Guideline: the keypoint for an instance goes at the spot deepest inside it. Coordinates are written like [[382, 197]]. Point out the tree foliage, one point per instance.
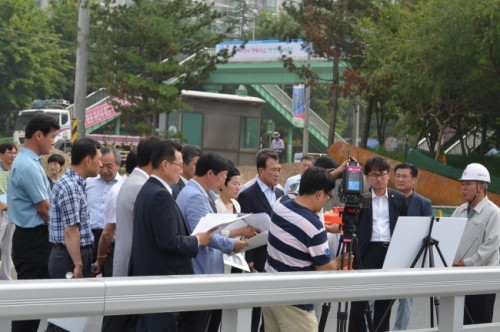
[[149, 51], [327, 28], [32, 58], [436, 63]]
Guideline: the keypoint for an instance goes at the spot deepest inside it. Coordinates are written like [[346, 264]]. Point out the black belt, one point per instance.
[[63, 246], [380, 244]]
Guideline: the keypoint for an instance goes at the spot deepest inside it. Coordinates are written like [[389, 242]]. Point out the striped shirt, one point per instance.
[[68, 207], [297, 240]]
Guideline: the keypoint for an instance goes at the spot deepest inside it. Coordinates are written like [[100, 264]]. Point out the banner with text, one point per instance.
[[264, 50]]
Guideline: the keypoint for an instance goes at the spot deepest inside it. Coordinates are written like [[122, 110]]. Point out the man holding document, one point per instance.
[[194, 203], [298, 242]]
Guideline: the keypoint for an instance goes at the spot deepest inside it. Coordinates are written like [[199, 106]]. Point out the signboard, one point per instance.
[[264, 50], [99, 114]]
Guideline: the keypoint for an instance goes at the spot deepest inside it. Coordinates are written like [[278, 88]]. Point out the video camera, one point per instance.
[[353, 193]]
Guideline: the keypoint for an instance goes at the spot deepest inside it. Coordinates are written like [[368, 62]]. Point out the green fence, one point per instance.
[[421, 160]]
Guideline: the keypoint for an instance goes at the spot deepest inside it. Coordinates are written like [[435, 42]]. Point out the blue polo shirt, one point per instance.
[[28, 186]]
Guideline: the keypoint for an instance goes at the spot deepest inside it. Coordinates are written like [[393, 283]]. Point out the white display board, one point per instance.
[[408, 237]]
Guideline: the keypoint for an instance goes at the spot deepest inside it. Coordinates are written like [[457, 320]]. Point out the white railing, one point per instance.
[[236, 294]]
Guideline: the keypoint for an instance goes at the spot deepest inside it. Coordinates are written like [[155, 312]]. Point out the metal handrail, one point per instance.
[[237, 293], [314, 119]]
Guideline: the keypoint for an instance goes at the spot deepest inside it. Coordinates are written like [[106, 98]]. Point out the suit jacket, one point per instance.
[[124, 221], [364, 227], [161, 244], [193, 204], [418, 205], [253, 200], [176, 188]]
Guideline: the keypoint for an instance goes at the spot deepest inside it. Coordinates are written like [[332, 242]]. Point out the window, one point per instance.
[[249, 133]]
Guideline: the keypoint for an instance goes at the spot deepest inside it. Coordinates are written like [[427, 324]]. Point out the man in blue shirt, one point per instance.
[[28, 200], [195, 203], [69, 225]]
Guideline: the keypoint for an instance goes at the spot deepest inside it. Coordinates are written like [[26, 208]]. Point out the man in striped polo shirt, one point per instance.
[[298, 242]]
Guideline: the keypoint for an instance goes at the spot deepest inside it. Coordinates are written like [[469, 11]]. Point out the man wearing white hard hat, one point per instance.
[[481, 239], [277, 144]]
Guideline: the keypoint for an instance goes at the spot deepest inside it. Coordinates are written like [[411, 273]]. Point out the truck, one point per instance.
[[57, 108], [96, 115]]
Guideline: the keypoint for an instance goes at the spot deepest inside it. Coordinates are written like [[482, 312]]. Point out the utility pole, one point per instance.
[[307, 105], [355, 124], [81, 66]]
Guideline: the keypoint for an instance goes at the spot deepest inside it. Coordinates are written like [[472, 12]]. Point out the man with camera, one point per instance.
[[295, 233], [374, 229]]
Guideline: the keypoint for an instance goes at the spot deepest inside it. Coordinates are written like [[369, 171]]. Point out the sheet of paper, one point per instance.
[[236, 260], [258, 220], [235, 225], [73, 324], [257, 241], [212, 220]]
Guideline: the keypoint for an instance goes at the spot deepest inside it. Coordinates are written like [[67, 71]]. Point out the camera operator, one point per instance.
[[374, 230], [295, 233]]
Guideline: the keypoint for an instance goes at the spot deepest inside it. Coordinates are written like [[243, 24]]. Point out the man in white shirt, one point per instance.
[[277, 144], [374, 231], [293, 182], [97, 189]]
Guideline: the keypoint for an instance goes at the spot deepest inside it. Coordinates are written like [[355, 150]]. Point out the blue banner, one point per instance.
[[298, 103]]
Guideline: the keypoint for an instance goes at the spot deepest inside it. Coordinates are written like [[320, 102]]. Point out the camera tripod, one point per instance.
[[348, 245]]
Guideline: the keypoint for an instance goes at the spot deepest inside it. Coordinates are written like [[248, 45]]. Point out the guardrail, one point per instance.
[[236, 294]]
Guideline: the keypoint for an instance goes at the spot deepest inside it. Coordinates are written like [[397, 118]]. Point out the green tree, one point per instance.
[[327, 28], [32, 59], [63, 17], [435, 61], [149, 51]]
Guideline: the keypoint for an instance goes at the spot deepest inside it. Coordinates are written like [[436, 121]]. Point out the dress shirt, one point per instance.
[[381, 231], [268, 192], [163, 183], [27, 186], [97, 190], [292, 184], [69, 207]]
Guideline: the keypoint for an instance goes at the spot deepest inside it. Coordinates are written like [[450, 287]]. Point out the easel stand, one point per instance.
[[428, 243], [348, 245]]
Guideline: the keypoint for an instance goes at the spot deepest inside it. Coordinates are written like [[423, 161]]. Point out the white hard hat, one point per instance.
[[476, 172]]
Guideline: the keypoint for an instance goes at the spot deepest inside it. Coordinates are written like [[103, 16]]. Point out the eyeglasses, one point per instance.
[[377, 175], [180, 165]]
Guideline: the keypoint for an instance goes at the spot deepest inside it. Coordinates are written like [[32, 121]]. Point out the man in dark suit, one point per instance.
[[406, 181], [374, 230], [161, 244], [260, 197]]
